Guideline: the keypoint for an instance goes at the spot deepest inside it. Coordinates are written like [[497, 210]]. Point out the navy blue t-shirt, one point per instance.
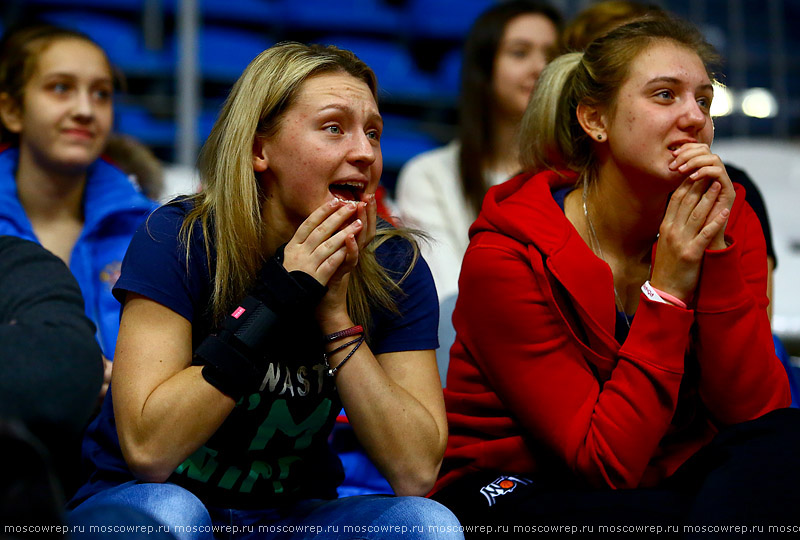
[[273, 446]]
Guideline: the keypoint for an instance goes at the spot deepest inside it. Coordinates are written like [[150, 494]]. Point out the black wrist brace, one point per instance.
[[233, 358]]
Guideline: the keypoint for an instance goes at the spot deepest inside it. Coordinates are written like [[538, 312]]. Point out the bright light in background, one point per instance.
[[759, 103], [723, 101]]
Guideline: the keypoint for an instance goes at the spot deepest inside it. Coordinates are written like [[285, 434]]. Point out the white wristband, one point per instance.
[[650, 293]]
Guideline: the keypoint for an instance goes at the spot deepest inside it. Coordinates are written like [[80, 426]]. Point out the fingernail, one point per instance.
[[333, 203], [358, 222], [672, 165]]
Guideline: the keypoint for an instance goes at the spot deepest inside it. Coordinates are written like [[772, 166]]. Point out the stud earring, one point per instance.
[[599, 136]]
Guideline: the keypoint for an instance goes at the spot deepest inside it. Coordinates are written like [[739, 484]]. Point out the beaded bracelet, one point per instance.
[[327, 355], [352, 331], [332, 371]]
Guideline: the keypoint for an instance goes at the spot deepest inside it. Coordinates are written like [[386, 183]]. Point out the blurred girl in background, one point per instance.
[[56, 107], [440, 192]]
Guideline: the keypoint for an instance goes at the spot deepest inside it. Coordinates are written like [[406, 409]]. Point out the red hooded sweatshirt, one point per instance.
[[536, 372]]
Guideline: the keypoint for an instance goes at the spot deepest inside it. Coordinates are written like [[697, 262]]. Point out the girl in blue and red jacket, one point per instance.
[[56, 90]]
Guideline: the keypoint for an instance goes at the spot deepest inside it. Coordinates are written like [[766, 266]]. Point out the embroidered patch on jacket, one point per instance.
[[502, 486], [110, 274]]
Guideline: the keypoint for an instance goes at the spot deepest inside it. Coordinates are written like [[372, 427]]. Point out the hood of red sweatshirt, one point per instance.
[[523, 209]]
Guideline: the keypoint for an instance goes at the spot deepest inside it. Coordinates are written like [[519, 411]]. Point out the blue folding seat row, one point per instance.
[[122, 41], [403, 139], [138, 122], [224, 51], [447, 19]]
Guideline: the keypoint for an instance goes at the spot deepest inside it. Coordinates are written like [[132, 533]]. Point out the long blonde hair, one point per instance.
[[229, 207]]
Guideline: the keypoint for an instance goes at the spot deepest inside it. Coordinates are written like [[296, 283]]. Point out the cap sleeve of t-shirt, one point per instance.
[[156, 267], [416, 326]]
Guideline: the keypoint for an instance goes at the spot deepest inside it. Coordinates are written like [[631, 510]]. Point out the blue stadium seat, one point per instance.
[[791, 371], [446, 19], [361, 477], [397, 73], [138, 122], [401, 140], [448, 80], [131, 5], [251, 11], [226, 51], [122, 40], [205, 123], [377, 16]]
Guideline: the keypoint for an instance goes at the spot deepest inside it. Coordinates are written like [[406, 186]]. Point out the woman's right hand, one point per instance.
[[319, 246], [687, 230]]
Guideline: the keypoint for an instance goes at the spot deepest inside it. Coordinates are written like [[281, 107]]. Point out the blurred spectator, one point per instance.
[[601, 17], [440, 191], [31, 500], [50, 373]]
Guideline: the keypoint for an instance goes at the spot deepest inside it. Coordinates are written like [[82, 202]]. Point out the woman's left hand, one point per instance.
[[334, 303], [698, 162]]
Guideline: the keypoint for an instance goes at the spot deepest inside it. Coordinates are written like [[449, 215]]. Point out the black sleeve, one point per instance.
[[50, 362], [754, 199]]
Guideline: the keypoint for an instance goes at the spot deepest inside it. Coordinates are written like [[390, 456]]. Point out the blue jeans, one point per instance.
[[368, 517], [171, 507]]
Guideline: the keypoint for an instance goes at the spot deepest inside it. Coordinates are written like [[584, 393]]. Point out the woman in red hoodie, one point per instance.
[[613, 362]]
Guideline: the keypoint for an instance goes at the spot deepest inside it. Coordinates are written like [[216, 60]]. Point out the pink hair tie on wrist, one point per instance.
[[660, 296], [673, 299]]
